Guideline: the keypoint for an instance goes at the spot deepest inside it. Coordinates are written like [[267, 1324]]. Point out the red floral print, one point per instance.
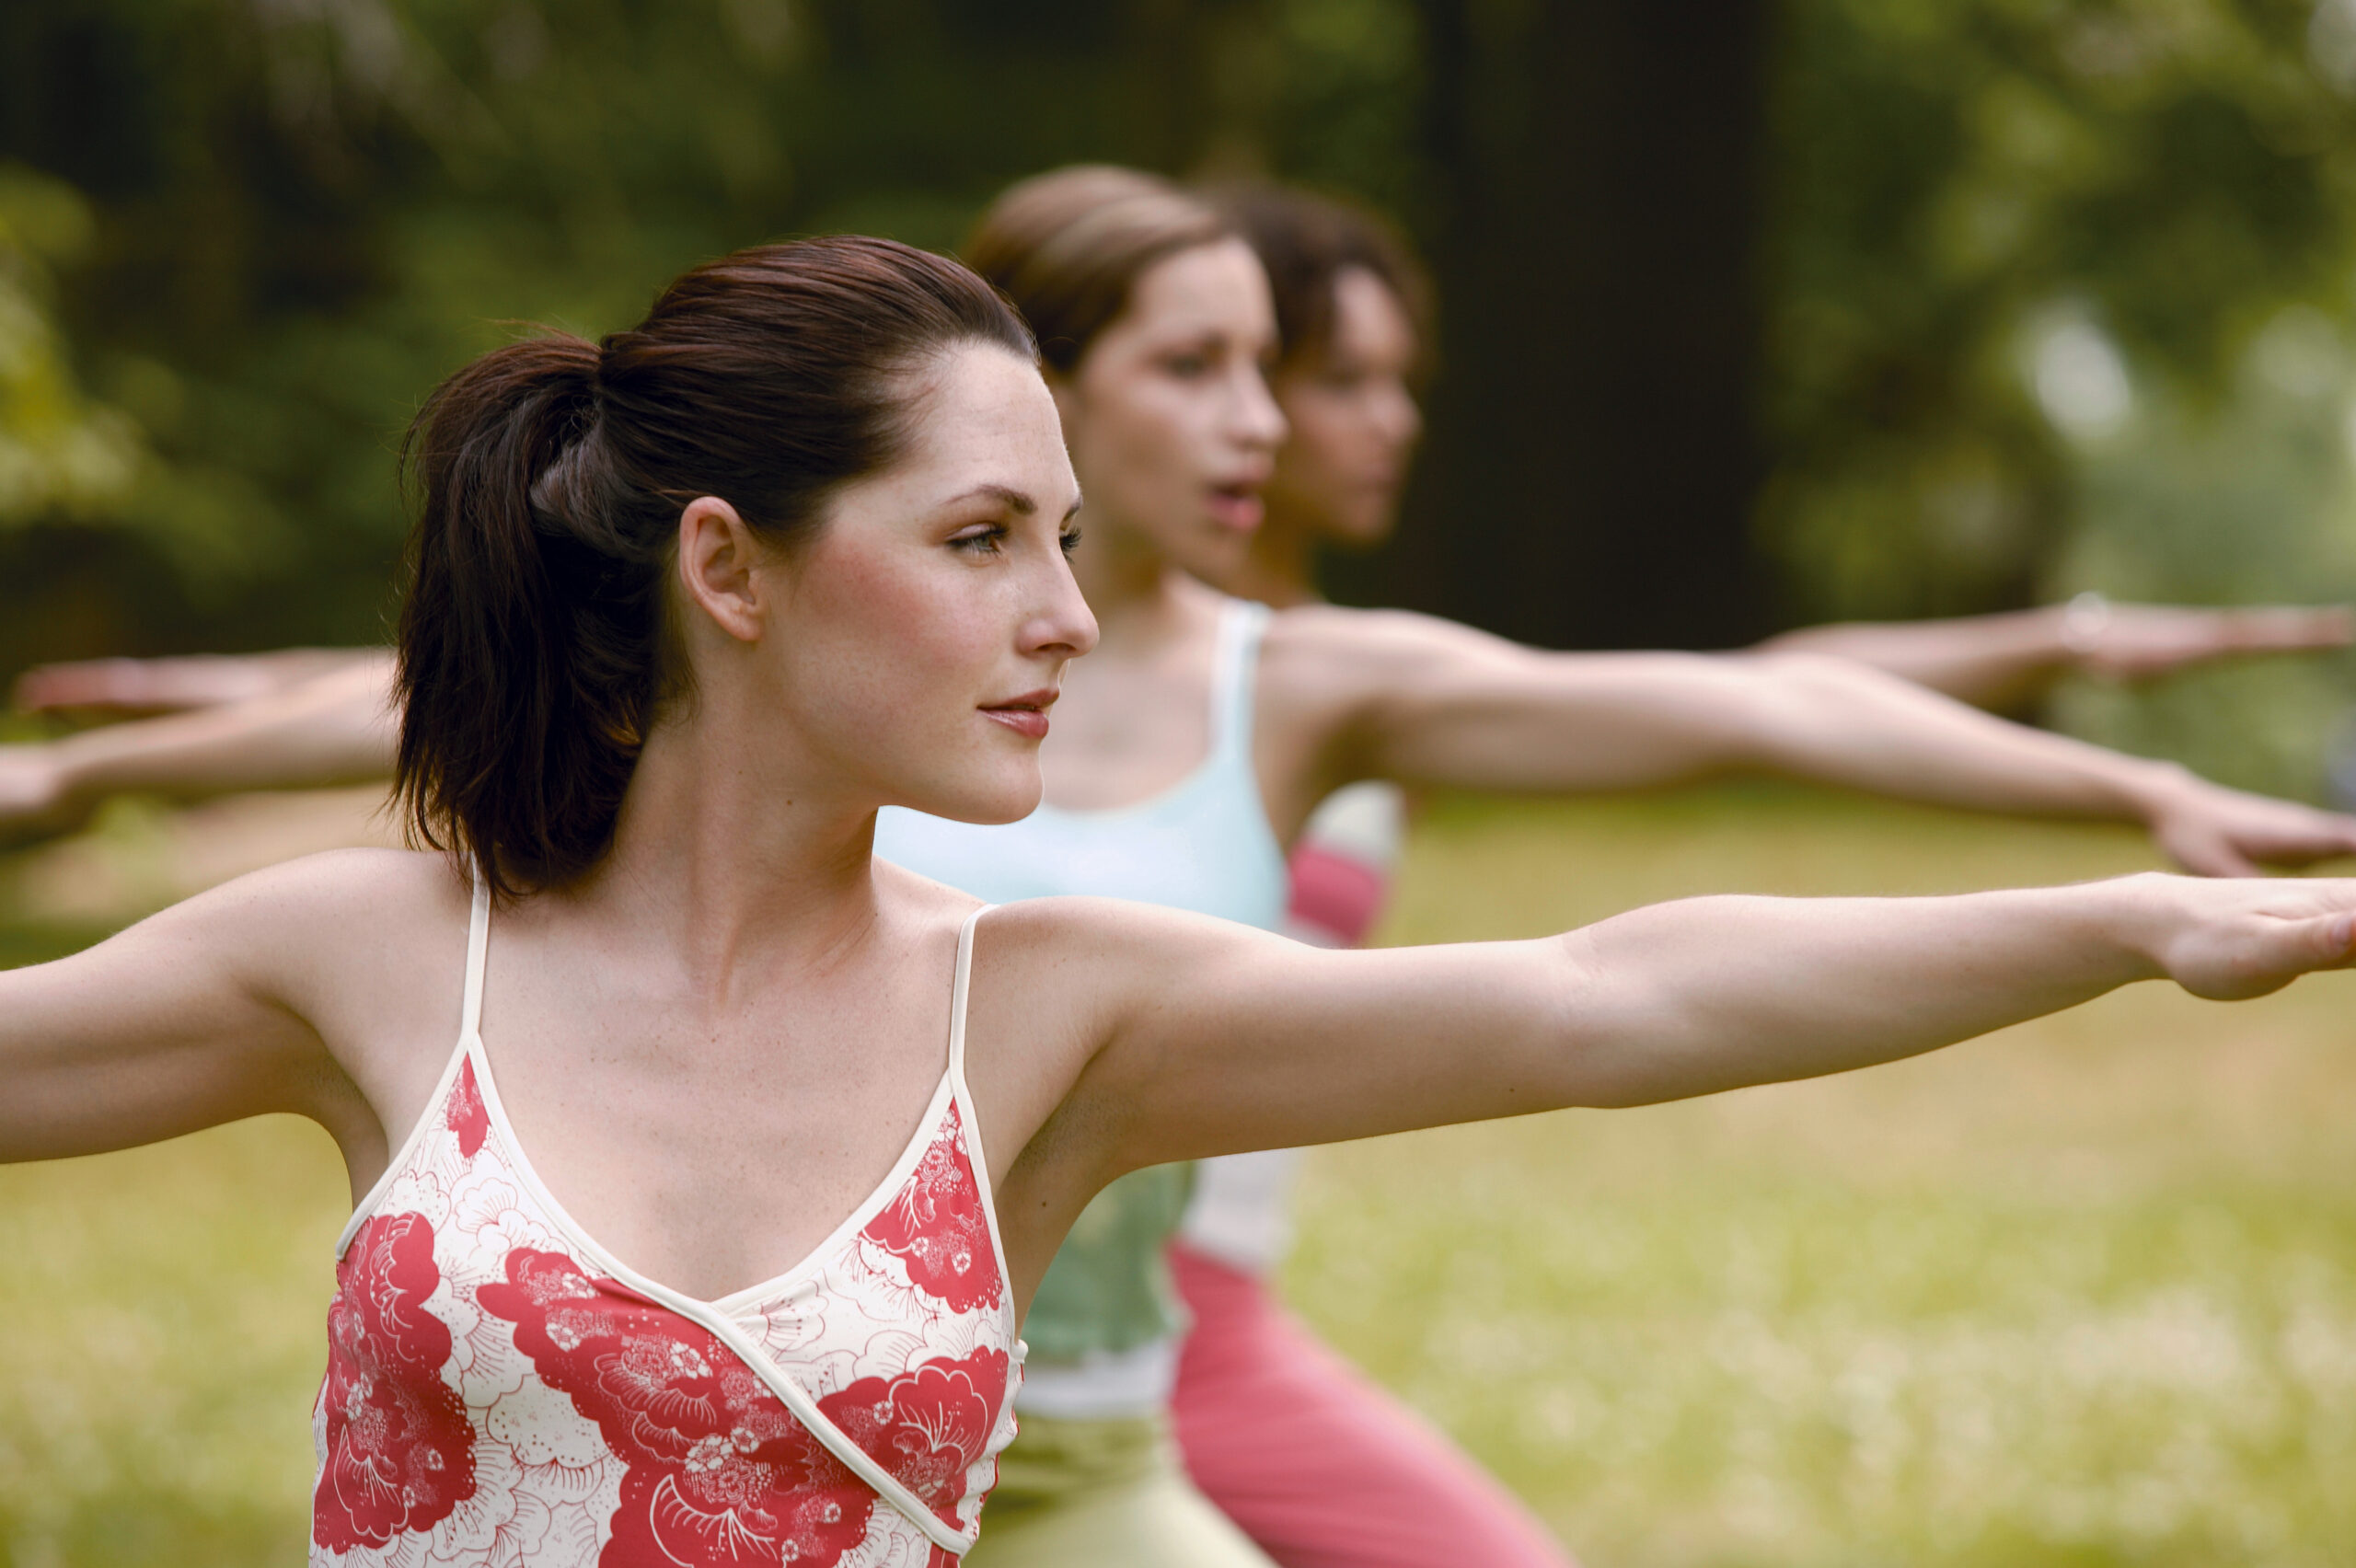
[[720, 1474], [929, 1426], [934, 1225], [400, 1446], [465, 1113]]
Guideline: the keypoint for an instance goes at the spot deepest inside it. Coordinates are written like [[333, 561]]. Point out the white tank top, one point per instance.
[[1103, 1328]]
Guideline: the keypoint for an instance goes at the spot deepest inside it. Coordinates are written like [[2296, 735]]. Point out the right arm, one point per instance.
[[223, 1007], [336, 728]]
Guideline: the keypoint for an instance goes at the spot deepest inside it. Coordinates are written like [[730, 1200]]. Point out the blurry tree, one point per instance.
[[302, 213], [1991, 221], [1764, 312]]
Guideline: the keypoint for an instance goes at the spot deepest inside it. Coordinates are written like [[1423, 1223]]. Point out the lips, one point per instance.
[[1025, 715], [1237, 506]]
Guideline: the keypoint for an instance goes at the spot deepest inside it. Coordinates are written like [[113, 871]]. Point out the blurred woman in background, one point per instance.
[[1197, 739]]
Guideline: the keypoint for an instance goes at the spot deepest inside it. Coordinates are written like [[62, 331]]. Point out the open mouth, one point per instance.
[[1236, 506]]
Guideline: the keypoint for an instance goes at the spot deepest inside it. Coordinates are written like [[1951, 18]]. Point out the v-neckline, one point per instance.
[[903, 1168]]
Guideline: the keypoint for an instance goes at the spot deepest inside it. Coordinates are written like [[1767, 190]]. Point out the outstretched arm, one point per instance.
[[2007, 661], [127, 688], [334, 728], [1214, 1039], [222, 1008], [1427, 702]]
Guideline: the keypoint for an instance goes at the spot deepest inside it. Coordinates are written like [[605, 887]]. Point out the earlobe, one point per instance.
[[718, 562]]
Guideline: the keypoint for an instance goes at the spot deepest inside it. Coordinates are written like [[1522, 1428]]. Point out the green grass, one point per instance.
[[2082, 1293]]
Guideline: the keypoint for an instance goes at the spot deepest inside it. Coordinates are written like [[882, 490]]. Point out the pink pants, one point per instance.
[[1319, 1466]]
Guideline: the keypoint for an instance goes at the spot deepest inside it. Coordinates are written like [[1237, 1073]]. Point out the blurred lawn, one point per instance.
[[2082, 1293]]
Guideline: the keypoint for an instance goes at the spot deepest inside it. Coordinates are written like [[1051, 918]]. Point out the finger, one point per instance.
[[2334, 938], [2215, 856]]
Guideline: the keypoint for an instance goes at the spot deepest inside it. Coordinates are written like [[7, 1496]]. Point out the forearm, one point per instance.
[[1713, 994], [1998, 662], [1832, 721], [334, 728]]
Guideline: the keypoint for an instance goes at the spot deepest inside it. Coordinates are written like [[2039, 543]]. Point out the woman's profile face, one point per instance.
[[924, 628], [1354, 420], [1171, 426]]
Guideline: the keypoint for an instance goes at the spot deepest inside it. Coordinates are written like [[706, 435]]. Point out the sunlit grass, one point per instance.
[[2082, 1293]]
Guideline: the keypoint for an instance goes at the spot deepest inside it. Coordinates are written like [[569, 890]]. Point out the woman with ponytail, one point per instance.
[[804, 673]]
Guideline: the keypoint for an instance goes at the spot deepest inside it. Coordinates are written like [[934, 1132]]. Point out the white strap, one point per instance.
[[1235, 669], [957, 994], [477, 949], [795, 1398]]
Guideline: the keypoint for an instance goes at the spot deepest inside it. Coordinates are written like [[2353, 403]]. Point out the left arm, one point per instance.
[[2009, 660], [1429, 703]]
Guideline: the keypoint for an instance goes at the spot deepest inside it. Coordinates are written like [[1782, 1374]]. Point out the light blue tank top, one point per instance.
[[1203, 844]]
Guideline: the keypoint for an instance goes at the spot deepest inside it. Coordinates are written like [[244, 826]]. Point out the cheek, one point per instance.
[[872, 637]]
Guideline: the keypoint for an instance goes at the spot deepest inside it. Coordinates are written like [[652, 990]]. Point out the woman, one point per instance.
[[1188, 757], [1321, 1468], [686, 608]]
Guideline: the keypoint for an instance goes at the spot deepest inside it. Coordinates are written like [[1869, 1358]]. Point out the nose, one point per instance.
[[1257, 422], [1402, 416], [1061, 626]]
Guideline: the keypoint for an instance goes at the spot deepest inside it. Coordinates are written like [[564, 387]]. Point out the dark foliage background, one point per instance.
[[1753, 313]]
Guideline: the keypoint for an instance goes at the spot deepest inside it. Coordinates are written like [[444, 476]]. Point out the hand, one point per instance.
[[2138, 642], [2215, 832], [2229, 941], [35, 799]]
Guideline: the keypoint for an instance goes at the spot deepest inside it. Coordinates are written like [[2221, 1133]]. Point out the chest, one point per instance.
[[711, 1148]]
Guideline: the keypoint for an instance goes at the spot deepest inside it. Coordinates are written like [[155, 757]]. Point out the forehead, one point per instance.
[[1369, 318], [984, 416], [1220, 287]]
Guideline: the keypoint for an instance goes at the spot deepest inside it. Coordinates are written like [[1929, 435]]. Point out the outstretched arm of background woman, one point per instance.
[[334, 728], [1424, 701], [2006, 661]]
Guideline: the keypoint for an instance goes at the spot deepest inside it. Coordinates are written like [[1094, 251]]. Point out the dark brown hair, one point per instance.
[[1067, 245], [535, 642], [1307, 242]]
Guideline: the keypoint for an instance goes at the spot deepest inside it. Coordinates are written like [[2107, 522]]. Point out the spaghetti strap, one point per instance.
[[1235, 670], [957, 996], [477, 949]]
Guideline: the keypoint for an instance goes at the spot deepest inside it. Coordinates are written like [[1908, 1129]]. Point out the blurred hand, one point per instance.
[[34, 800], [2232, 940], [2216, 832], [2137, 643]]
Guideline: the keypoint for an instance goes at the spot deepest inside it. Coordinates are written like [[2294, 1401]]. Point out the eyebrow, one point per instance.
[[1013, 500]]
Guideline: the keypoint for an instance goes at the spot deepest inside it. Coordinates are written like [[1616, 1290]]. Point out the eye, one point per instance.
[[1187, 366], [1070, 539], [982, 538]]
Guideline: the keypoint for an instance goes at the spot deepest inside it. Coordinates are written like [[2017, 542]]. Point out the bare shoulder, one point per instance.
[[376, 896], [1337, 645], [1076, 963]]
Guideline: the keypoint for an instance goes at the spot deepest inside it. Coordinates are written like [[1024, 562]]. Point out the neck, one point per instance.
[[1281, 571], [1131, 587], [719, 851]]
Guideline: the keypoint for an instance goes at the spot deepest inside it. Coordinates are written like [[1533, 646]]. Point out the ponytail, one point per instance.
[[536, 649]]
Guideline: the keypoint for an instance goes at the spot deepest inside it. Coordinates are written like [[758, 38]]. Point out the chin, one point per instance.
[[988, 801]]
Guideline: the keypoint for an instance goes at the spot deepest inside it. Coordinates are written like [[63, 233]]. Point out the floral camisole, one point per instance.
[[502, 1390]]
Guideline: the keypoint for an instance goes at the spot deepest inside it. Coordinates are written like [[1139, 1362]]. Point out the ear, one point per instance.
[[720, 567]]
